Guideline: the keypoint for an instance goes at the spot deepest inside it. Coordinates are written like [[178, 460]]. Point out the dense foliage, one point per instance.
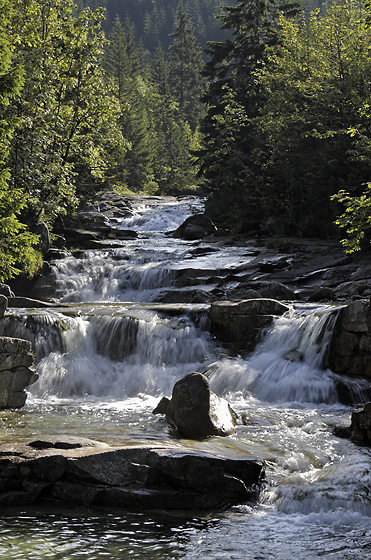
[[83, 109], [17, 250], [153, 20], [91, 101], [295, 90]]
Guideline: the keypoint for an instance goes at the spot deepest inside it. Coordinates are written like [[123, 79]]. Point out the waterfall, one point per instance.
[[288, 365], [109, 353], [119, 353], [125, 350], [111, 276]]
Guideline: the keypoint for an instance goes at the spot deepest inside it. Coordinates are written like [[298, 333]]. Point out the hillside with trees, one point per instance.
[[287, 125], [271, 119]]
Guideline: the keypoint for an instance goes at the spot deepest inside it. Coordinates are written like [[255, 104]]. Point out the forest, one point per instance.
[[262, 106]]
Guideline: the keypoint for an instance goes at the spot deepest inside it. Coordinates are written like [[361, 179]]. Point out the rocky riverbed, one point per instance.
[[123, 290]]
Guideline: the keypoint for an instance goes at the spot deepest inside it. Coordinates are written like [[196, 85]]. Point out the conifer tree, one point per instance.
[[67, 111], [186, 63], [173, 165], [124, 63], [233, 92]]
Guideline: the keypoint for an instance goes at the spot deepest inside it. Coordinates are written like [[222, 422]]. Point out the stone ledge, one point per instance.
[[240, 324], [16, 372], [138, 476]]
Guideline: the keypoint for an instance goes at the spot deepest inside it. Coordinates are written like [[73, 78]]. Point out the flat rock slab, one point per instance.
[[141, 476]]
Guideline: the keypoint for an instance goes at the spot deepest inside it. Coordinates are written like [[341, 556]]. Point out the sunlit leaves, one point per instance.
[[68, 112], [356, 220]]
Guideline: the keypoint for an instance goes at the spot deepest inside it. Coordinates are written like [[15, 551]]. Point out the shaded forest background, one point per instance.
[[263, 106]]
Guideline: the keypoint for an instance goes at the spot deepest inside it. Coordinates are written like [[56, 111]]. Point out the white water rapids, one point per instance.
[[107, 358]]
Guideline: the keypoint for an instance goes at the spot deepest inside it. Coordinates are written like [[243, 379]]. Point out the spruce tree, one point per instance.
[[124, 63], [173, 164], [186, 64], [233, 93]]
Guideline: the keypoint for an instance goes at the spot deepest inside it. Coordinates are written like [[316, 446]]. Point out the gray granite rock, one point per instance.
[[139, 476]]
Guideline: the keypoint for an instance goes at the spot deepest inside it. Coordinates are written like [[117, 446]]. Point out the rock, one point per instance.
[[240, 324], [201, 251], [57, 254], [196, 412], [272, 290], [187, 296], [195, 227], [360, 288], [15, 352], [191, 277], [3, 305], [15, 371], [162, 406], [359, 431], [193, 232], [360, 428], [272, 264], [362, 273], [39, 287], [42, 230], [242, 292], [321, 294], [19, 302], [350, 346], [65, 442], [146, 476], [6, 291]]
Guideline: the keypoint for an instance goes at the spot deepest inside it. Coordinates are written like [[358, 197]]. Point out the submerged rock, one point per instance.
[[196, 412], [146, 476]]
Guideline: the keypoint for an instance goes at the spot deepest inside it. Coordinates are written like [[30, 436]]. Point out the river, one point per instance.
[[106, 358]]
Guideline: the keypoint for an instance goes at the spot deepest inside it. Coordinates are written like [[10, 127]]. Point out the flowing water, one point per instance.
[[108, 355]]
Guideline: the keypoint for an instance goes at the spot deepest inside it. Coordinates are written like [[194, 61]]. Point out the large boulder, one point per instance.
[[196, 412], [16, 373], [240, 324], [195, 227], [350, 347], [145, 476]]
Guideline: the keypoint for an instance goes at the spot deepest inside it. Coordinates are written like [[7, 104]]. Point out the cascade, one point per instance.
[[288, 365], [110, 352]]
